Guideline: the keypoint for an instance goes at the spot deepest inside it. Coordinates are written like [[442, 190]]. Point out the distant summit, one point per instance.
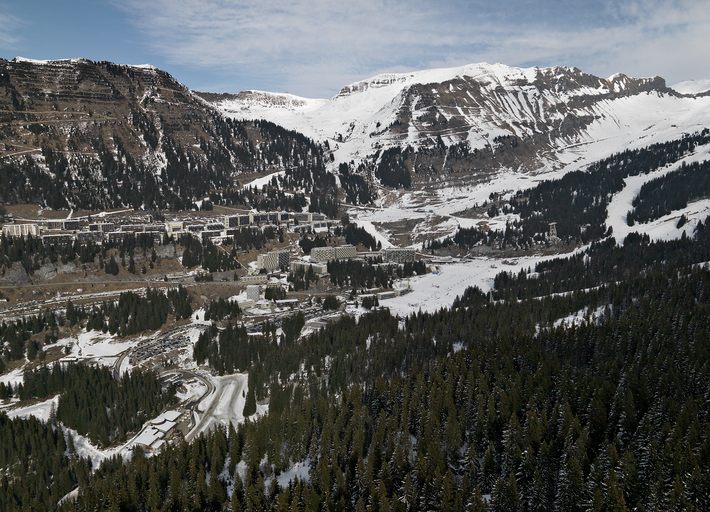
[[478, 117]]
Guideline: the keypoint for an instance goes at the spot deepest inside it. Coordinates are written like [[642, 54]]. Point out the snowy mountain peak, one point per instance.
[[534, 114], [483, 72], [77, 60], [26, 60], [275, 99]]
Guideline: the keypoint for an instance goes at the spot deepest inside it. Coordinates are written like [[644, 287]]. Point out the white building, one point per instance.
[[318, 268], [20, 229], [254, 279], [325, 254], [273, 260], [322, 254], [344, 252], [174, 227], [253, 292]]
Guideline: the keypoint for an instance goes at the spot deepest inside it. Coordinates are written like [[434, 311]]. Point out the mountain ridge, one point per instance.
[[480, 106], [94, 134]]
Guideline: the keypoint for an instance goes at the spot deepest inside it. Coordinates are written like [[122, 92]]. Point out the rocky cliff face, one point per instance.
[[78, 133]]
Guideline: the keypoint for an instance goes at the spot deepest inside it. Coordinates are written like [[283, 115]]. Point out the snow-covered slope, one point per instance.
[[557, 113], [692, 86]]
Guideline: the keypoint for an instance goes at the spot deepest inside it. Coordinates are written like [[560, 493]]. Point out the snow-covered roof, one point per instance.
[[165, 426], [149, 436], [166, 416]]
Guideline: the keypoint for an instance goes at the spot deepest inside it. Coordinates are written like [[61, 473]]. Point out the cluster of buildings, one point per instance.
[[293, 219], [320, 256], [317, 262], [67, 231], [216, 229], [152, 437]]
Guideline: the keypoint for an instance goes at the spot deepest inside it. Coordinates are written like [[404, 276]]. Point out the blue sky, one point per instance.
[[314, 47]]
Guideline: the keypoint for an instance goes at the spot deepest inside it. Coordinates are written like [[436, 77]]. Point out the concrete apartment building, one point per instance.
[[253, 292], [325, 254], [318, 268], [274, 260], [20, 230], [399, 255], [254, 279], [322, 254], [344, 252], [102, 227]]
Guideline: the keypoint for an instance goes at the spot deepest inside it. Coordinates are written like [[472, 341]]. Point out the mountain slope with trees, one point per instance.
[[506, 410], [95, 135]]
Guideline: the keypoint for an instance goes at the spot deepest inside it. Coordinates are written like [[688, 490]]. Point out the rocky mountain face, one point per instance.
[[84, 134], [78, 133], [463, 124]]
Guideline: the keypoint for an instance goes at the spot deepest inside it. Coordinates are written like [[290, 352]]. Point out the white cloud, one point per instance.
[[316, 46], [8, 26]]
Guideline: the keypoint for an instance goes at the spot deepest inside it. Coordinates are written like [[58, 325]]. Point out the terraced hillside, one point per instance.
[[78, 133]]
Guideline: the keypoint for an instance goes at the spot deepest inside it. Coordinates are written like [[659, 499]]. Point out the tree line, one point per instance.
[[94, 403]]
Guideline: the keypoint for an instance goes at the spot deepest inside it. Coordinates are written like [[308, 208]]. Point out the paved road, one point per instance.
[[193, 403], [227, 395]]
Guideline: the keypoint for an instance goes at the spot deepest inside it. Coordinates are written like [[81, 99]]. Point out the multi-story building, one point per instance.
[[344, 252], [117, 237], [322, 254], [71, 224], [155, 236], [399, 255], [303, 217], [84, 237], [235, 221], [60, 239], [273, 260], [54, 224], [132, 228], [318, 268], [63, 224], [210, 235], [174, 227], [253, 292], [155, 226], [341, 252], [20, 229], [102, 227], [260, 218], [254, 279], [231, 221], [284, 260]]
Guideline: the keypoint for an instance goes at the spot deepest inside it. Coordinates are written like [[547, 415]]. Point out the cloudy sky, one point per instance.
[[314, 47]]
